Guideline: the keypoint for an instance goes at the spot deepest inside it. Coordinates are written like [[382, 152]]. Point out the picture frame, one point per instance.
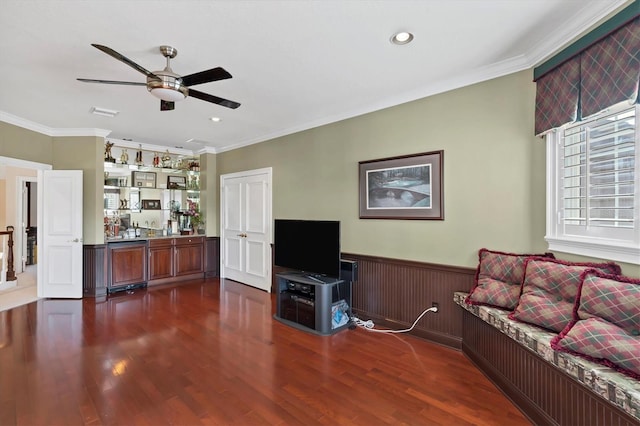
[[176, 182], [403, 187], [151, 205], [143, 179]]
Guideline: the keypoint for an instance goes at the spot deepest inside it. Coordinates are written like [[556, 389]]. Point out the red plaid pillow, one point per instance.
[[606, 323], [549, 291], [499, 278]]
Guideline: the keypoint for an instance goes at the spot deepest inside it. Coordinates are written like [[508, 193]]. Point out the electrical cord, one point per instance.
[[368, 325]]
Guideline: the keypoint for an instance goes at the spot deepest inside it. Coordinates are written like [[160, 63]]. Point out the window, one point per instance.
[[593, 186]]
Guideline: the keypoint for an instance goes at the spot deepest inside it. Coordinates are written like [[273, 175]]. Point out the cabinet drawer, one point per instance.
[[161, 242], [186, 241]]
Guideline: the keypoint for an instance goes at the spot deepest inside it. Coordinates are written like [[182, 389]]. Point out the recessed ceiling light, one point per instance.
[[215, 119], [402, 37], [103, 111]]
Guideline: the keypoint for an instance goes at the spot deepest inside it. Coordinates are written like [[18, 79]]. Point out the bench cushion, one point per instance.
[[606, 323], [549, 291], [498, 279]]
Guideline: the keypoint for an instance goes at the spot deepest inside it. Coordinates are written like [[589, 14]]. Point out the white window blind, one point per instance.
[[595, 185]]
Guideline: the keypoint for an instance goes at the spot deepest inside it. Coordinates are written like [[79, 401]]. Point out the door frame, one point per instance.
[[39, 167]]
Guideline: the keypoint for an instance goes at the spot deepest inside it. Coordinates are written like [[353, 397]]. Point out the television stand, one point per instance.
[[316, 305]]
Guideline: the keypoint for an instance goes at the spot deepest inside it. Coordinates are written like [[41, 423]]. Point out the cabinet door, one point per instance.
[[160, 260], [189, 256], [128, 265]]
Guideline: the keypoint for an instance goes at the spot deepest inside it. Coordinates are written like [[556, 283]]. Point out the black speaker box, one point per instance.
[[349, 270]]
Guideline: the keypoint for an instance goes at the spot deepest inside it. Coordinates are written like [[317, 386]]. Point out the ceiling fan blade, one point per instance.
[[214, 99], [109, 51], [167, 105], [214, 74], [128, 83]]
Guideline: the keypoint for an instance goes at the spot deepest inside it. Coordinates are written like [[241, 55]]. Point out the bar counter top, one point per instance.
[[159, 237]]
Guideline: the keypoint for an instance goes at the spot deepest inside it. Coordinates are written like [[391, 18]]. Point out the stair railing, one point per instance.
[[7, 272]]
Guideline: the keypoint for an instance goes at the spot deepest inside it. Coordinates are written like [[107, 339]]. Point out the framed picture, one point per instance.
[[151, 205], [405, 187], [176, 182], [143, 179]]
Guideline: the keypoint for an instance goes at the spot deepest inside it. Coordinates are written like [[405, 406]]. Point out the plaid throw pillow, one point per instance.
[[499, 278], [606, 323], [549, 291]]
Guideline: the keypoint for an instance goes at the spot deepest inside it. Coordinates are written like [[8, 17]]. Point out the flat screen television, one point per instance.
[[309, 246]]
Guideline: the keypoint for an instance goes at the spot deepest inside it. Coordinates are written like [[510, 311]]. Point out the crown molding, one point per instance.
[[207, 150], [83, 132], [101, 133], [25, 124], [478, 75], [49, 131], [579, 33]]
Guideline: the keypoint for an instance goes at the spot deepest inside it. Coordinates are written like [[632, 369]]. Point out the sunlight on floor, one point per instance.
[[25, 292]]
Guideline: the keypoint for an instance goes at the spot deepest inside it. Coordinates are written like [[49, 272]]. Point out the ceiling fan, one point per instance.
[[166, 85]]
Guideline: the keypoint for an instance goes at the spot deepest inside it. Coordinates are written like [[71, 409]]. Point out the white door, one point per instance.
[[245, 212], [61, 253]]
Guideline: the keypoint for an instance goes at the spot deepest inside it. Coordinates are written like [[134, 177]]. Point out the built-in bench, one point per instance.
[[549, 386]]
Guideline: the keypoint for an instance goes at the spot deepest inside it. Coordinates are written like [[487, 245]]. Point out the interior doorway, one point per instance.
[[245, 227], [21, 210]]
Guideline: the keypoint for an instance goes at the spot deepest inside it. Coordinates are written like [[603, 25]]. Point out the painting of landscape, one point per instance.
[[399, 188]]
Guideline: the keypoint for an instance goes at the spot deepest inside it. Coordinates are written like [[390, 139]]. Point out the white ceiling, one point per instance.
[[295, 64]]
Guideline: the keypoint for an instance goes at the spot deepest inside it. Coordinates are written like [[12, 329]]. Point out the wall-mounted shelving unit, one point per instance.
[[146, 194]]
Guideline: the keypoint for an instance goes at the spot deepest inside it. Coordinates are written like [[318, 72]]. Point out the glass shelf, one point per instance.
[[121, 168]]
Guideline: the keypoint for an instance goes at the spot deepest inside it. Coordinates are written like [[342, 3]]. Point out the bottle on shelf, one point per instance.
[[137, 228]]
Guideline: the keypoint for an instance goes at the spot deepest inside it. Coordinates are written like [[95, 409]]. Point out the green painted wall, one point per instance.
[[209, 193], [85, 153], [70, 153], [23, 144], [494, 173]]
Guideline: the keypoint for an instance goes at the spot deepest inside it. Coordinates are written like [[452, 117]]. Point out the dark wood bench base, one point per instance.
[[546, 395]]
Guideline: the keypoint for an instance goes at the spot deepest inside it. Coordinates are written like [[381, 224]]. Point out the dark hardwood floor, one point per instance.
[[209, 352]]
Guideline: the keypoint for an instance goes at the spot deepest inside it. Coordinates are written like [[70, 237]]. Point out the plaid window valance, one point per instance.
[[604, 74]]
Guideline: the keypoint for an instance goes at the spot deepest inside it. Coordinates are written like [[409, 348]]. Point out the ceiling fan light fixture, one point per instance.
[[167, 85], [170, 95]]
